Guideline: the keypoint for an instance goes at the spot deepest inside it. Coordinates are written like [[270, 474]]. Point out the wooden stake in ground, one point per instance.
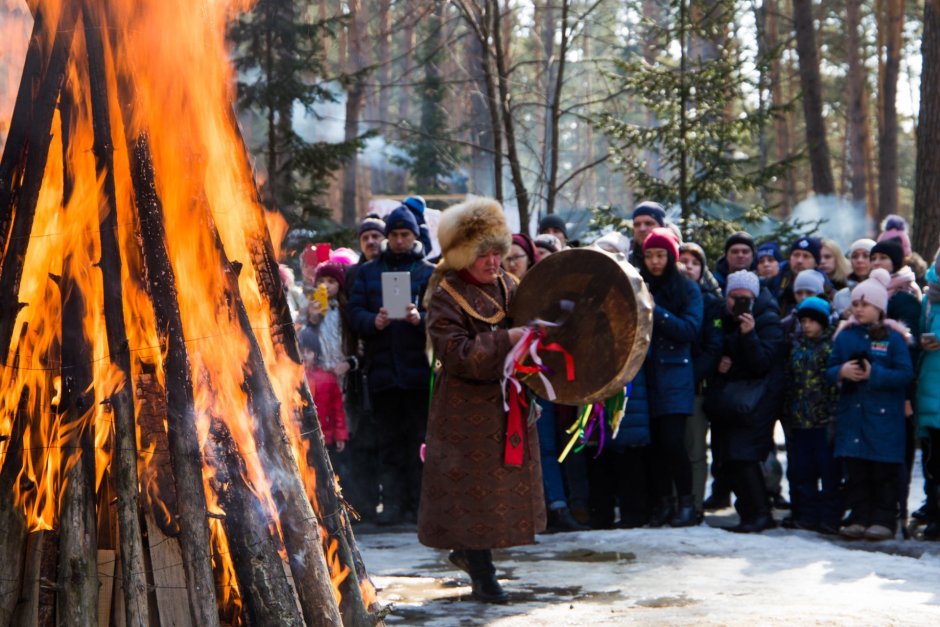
[[181, 415], [124, 458], [77, 593]]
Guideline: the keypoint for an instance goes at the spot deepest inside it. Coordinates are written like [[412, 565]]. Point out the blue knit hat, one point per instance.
[[651, 209], [812, 245], [415, 203], [401, 218], [769, 249], [815, 308]]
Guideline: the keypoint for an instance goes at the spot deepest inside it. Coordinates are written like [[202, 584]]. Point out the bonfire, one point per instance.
[[161, 457]]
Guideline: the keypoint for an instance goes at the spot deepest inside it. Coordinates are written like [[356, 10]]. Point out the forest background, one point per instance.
[[727, 110]]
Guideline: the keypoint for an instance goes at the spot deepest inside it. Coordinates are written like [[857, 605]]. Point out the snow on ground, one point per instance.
[[694, 576]]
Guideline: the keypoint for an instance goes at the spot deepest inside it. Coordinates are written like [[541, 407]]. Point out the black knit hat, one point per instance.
[[651, 209], [893, 249], [552, 221], [740, 237]]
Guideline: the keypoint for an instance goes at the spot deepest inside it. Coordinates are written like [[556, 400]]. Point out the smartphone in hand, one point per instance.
[[742, 305]]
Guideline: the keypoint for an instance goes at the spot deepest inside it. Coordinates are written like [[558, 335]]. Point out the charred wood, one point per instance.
[[332, 511], [12, 162], [185, 455], [262, 582], [124, 459], [26, 195], [12, 519], [298, 520], [77, 594]]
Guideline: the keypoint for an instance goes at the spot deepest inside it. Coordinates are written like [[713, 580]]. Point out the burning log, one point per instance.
[[332, 511], [77, 601], [233, 408], [25, 197], [125, 440], [185, 455], [299, 523], [261, 578], [12, 520]]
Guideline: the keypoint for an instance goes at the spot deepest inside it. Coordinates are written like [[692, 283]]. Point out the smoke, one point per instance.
[[15, 25], [326, 122], [844, 220]]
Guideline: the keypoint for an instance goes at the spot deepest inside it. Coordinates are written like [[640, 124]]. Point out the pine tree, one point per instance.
[[703, 131], [280, 60], [431, 156]]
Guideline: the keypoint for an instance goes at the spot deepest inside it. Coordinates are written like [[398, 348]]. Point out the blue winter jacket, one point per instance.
[[635, 425], [928, 382], [395, 357], [670, 375], [870, 414]]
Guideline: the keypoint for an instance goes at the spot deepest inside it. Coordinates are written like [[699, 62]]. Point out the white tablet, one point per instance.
[[396, 293]]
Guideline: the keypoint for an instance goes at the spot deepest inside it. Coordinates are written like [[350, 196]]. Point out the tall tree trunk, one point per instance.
[[355, 61], [546, 51], [502, 71], [407, 54], [782, 120], [927, 173], [651, 14], [812, 97], [554, 109], [888, 130], [482, 157], [861, 187]]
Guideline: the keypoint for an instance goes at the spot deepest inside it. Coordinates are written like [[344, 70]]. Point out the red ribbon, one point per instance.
[[515, 429], [569, 358]]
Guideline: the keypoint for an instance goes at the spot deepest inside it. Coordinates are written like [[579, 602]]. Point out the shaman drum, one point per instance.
[[607, 331]]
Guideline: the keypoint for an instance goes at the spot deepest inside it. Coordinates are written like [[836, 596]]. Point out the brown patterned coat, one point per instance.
[[469, 498]]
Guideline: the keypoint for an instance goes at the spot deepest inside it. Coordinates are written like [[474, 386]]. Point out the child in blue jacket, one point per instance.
[[810, 404], [871, 363]]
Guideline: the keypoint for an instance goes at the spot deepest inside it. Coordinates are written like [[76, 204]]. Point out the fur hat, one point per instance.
[[874, 289], [469, 228]]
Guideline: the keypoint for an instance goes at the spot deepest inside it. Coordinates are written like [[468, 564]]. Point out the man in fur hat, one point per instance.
[[398, 373], [482, 486]]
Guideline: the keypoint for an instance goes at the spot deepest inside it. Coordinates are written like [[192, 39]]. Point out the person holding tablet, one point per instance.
[[398, 371]]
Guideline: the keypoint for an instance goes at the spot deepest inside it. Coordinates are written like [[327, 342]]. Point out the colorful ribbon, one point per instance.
[[599, 416], [514, 403]]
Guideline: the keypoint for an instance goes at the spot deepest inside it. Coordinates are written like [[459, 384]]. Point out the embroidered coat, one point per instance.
[[469, 498]]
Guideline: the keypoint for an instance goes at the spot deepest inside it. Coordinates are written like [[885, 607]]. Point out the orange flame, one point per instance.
[[182, 96]]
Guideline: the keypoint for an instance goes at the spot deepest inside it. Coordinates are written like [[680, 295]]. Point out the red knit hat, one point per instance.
[[336, 271], [662, 237]]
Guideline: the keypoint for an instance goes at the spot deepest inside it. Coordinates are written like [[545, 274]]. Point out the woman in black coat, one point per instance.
[[677, 324], [752, 358]]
